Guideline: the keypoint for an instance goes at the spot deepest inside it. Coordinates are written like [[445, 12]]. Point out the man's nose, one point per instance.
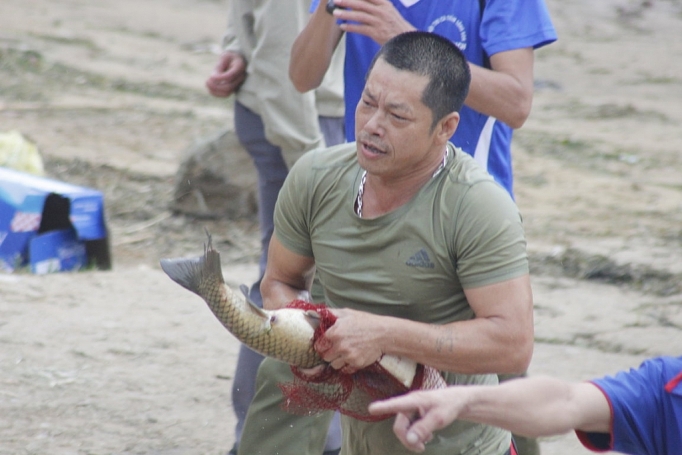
[[375, 123]]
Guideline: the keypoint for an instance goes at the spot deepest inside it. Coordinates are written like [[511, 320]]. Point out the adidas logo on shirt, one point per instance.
[[420, 259]]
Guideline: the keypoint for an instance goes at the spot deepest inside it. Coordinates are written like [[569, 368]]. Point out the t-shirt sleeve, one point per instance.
[[597, 442], [489, 241], [292, 209], [515, 24], [636, 398]]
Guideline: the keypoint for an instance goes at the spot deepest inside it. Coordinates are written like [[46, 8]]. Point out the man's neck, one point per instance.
[[381, 195]]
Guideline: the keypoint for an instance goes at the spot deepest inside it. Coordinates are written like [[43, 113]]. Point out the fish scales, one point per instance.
[[285, 334]]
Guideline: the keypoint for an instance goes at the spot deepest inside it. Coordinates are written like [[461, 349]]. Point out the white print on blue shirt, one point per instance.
[[451, 27]]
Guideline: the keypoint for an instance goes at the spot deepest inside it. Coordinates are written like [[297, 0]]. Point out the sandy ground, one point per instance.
[[127, 362]]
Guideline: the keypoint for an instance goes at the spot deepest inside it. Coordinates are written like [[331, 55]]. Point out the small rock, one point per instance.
[[216, 179]]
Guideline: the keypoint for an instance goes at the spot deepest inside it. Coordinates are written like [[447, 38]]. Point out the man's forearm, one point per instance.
[[532, 406], [476, 346], [538, 406], [506, 91], [279, 295], [312, 51], [498, 340]]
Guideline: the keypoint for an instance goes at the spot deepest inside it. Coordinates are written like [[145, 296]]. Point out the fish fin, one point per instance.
[[313, 318], [252, 305], [402, 368], [185, 272], [190, 272], [211, 262], [245, 290]]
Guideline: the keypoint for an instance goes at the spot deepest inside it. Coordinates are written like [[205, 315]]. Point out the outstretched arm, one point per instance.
[[535, 406]]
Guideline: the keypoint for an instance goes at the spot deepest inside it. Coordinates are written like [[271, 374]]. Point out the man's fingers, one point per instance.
[[406, 413], [414, 424], [225, 83], [359, 5], [403, 430], [402, 404], [323, 345], [412, 437]]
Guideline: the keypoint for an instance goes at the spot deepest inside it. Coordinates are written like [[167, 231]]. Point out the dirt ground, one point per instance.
[[127, 362]]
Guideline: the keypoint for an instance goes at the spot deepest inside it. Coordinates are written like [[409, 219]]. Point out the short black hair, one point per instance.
[[431, 55]]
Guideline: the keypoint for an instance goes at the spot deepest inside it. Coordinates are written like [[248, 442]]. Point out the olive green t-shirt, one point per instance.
[[461, 230]]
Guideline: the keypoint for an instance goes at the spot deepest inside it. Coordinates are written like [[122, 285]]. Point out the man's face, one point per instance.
[[393, 125]]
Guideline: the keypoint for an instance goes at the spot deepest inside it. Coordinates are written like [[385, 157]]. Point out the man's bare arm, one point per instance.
[[312, 51], [505, 91], [498, 340], [288, 276], [535, 406]]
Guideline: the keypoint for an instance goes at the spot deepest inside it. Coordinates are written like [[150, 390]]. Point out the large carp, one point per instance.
[[285, 334]]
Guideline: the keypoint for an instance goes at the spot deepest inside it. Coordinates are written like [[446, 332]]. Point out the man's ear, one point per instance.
[[447, 126]]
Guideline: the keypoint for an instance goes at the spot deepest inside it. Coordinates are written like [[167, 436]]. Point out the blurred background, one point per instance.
[[112, 95]]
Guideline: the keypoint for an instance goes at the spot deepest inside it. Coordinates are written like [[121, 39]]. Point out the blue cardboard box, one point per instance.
[[50, 225], [57, 251]]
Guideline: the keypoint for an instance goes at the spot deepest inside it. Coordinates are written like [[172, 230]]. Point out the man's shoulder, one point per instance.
[[466, 171], [469, 187], [329, 157], [322, 166], [649, 378], [664, 368]]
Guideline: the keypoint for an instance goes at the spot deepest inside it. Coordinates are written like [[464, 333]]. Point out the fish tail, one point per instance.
[[190, 273]]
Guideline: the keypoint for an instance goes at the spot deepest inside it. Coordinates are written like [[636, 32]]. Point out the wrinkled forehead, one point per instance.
[[389, 83]]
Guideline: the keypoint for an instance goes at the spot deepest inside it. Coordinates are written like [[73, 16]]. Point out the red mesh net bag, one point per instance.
[[350, 394]]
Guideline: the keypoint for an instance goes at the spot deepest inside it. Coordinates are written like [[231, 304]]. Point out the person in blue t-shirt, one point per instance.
[[498, 38], [636, 412]]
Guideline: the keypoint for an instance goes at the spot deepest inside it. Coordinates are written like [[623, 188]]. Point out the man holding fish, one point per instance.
[[420, 253]]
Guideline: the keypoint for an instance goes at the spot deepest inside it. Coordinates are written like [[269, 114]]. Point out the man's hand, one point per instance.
[[419, 414], [377, 19], [351, 343], [228, 75]]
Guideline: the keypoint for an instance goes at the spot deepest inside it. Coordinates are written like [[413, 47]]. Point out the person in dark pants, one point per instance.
[[275, 124]]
